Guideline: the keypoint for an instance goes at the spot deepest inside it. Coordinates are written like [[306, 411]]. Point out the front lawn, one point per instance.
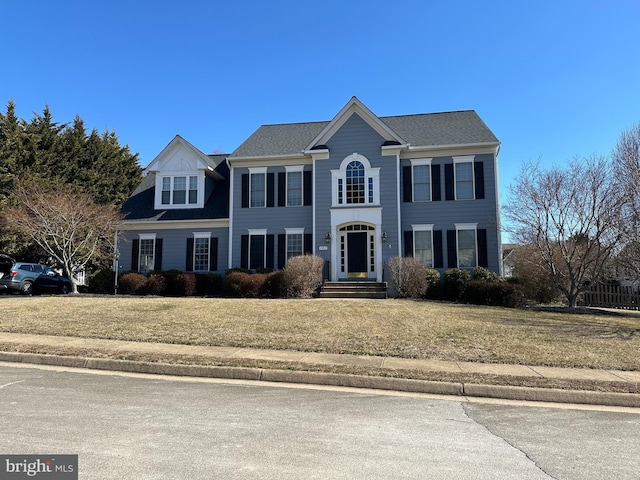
[[401, 328]]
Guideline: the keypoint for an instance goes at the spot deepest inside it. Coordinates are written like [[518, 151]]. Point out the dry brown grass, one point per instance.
[[401, 328]]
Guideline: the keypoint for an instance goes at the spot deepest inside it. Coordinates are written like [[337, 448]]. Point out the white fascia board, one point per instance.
[[391, 150], [318, 154], [173, 224], [449, 150], [269, 159], [354, 106]]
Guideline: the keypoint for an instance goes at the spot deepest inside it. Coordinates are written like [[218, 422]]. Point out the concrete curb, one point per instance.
[[341, 380]]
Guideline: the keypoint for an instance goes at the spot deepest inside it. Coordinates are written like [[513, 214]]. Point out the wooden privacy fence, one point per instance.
[[612, 296]]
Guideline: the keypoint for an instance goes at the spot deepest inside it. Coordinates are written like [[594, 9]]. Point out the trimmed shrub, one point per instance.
[[485, 275], [186, 285], [132, 284], [409, 277], [233, 283], [502, 294], [171, 279], [156, 285], [228, 271], [240, 284], [274, 286], [208, 284], [102, 281], [455, 280], [303, 275], [433, 284], [265, 270]]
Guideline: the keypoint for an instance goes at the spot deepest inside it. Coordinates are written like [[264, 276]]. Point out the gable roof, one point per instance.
[[457, 128], [209, 162], [139, 206]]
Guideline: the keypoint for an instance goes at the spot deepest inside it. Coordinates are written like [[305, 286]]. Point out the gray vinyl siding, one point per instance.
[[444, 214], [275, 219], [356, 136], [174, 247]]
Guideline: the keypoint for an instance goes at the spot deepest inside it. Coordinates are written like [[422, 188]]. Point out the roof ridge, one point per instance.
[[430, 113]]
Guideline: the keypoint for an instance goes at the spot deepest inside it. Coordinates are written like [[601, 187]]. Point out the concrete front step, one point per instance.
[[354, 290]]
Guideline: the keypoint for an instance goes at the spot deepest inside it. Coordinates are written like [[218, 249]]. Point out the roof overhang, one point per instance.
[[354, 106]]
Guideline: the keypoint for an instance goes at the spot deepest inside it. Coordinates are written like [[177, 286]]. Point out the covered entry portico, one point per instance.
[[356, 253]]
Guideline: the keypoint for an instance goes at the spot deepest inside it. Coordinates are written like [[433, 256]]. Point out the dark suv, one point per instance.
[[29, 278]]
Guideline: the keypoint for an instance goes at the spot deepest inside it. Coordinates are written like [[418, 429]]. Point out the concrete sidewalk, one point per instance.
[[114, 347]]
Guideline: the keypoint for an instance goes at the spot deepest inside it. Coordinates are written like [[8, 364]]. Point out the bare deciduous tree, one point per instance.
[[566, 214], [626, 163], [67, 225]]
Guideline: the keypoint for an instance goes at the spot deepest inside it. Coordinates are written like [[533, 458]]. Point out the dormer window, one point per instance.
[[179, 191]]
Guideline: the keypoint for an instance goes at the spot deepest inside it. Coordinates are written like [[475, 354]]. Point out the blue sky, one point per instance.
[[552, 79]]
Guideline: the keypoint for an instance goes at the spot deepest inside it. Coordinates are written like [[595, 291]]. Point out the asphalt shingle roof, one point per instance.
[[421, 130]]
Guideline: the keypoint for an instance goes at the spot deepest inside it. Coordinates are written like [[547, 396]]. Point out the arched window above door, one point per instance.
[[356, 183]]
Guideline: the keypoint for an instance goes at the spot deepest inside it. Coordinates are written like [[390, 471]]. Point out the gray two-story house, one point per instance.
[[355, 190]]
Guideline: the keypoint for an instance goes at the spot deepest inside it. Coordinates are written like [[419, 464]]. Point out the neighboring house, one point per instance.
[[356, 191]]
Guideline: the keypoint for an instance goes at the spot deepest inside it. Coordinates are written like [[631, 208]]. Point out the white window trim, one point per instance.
[[257, 232], [466, 226], [426, 227], [369, 172], [292, 231], [197, 235], [294, 169], [258, 171], [464, 159], [200, 192], [146, 236], [421, 162]]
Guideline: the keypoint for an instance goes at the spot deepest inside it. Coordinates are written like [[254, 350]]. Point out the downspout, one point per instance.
[[230, 248]]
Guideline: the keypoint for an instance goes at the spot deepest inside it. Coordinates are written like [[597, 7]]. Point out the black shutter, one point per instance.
[[452, 249], [213, 254], [478, 168], [437, 249], [435, 183], [282, 250], [308, 188], [308, 244], [244, 251], [270, 189], [407, 189], [282, 189], [189, 267], [448, 182], [135, 255], [270, 250], [157, 260], [408, 243], [483, 261], [245, 190]]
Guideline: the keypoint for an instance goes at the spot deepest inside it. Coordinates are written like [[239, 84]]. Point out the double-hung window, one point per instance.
[[421, 175], [201, 251], [295, 242], [423, 244], [179, 190], [257, 187], [467, 247], [146, 253], [463, 178], [294, 186]]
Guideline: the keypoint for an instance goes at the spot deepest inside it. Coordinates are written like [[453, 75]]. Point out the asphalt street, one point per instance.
[[145, 427]]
